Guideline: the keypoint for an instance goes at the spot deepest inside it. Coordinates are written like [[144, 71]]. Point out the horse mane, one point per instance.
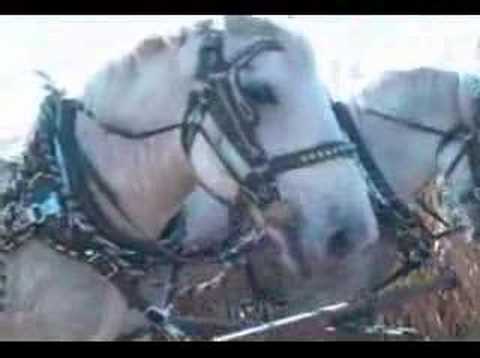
[[412, 94]]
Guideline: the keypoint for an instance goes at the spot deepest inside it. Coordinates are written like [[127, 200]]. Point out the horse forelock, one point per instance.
[[158, 44], [150, 46]]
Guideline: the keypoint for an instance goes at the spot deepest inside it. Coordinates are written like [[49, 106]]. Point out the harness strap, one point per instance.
[[456, 133], [408, 123], [373, 171], [473, 148]]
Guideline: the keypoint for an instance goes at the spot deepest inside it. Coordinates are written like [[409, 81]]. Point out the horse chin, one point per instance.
[[310, 263], [280, 246], [306, 282], [298, 264]]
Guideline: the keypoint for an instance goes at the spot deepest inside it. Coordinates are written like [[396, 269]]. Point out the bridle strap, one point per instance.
[[125, 133], [474, 159], [454, 164], [469, 137], [373, 171], [314, 155], [408, 123], [470, 141]]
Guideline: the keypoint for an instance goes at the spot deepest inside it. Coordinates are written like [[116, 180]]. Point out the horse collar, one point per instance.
[[43, 198]]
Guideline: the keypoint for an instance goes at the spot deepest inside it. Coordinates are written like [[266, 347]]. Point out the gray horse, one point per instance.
[[248, 98]]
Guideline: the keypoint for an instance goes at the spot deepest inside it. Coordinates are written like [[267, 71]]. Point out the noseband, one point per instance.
[[223, 100]]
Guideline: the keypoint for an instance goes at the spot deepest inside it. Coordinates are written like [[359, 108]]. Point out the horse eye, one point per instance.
[[260, 93]]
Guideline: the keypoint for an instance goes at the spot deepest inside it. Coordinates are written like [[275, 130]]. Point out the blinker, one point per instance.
[[210, 56]]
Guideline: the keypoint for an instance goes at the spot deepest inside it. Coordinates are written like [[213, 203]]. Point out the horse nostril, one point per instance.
[[339, 244]]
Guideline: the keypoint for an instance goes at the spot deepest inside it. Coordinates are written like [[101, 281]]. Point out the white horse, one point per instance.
[[408, 158], [257, 128]]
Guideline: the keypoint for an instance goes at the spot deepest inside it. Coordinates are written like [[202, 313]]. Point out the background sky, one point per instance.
[[350, 50]]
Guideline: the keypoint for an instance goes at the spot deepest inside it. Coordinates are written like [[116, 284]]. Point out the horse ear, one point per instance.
[[180, 39], [151, 46]]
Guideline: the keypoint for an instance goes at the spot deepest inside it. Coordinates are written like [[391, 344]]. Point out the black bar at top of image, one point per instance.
[[241, 7]]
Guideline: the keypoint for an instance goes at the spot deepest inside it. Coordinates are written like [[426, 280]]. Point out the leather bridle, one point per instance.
[[390, 201], [234, 117]]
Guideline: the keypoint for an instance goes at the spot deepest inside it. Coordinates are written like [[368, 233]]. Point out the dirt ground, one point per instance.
[[440, 315]]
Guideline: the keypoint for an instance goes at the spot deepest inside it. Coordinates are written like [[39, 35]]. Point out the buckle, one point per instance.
[[104, 266], [37, 213], [160, 318], [157, 315]]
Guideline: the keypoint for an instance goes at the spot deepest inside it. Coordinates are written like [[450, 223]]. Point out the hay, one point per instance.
[[454, 313]]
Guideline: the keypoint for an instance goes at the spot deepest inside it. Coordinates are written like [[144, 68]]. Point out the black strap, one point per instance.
[[317, 154], [408, 123], [474, 160], [345, 121], [121, 132], [456, 133]]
